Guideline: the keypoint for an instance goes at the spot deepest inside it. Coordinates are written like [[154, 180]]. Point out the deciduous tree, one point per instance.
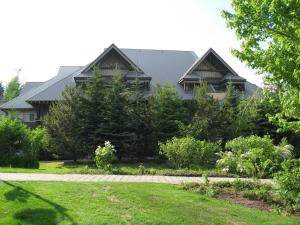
[[12, 89], [269, 31]]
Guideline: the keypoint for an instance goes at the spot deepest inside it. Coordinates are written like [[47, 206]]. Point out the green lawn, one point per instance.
[[120, 203], [119, 168]]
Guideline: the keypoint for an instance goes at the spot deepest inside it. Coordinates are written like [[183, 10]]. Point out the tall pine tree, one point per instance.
[[92, 111], [116, 127]]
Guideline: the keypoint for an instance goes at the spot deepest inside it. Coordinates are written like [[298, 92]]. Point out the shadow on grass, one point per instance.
[[38, 215]]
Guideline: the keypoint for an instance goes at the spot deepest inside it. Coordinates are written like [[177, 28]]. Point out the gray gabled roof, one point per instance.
[[48, 91], [200, 60], [29, 86], [164, 66], [110, 48]]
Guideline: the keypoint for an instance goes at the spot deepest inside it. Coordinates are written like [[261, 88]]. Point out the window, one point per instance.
[[31, 117], [145, 86], [189, 87]]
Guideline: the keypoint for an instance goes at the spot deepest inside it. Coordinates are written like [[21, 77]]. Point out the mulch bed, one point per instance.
[[238, 199]]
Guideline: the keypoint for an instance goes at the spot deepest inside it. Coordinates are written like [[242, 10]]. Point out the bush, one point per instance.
[[288, 184], [254, 156], [188, 151], [19, 145], [104, 156], [38, 141]]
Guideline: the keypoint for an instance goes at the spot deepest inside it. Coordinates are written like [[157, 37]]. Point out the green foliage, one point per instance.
[[139, 118], [288, 184], [38, 141], [230, 114], [91, 111], [188, 152], [253, 156], [1, 90], [13, 139], [19, 146], [167, 111], [62, 124], [142, 169], [206, 120], [104, 156], [116, 126], [253, 190], [12, 89], [270, 42]]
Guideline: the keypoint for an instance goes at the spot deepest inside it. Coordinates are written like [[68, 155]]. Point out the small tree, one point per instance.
[[230, 113], [38, 141], [62, 125], [205, 122], [12, 89]]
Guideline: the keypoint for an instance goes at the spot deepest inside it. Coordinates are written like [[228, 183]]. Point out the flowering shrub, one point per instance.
[[254, 156], [288, 184], [188, 152], [104, 156]]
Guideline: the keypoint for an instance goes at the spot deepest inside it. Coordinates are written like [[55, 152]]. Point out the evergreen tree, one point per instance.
[[1, 90], [92, 104], [12, 89], [167, 111], [116, 127], [205, 122], [140, 122], [61, 123], [230, 113]]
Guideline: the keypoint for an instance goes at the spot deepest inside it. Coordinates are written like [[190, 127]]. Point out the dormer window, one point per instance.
[[189, 86]]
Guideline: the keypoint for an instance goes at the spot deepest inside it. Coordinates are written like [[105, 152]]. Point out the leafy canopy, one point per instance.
[[269, 31], [12, 89]]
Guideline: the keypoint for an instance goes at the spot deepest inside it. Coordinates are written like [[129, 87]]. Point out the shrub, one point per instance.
[[14, 142], [188, 152], [19, 145], [13, 137], [254, 156], [288, 184], [38, 141], [104, 156]]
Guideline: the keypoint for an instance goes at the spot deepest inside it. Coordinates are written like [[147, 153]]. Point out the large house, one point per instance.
[[182, 69]]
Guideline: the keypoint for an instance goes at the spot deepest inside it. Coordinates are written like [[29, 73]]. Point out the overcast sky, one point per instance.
[[39, 36]]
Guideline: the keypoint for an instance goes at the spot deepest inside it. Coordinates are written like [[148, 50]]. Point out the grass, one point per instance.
[[118, 168], [120, 203]]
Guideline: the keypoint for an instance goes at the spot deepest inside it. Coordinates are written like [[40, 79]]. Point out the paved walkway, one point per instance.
[[110, 178]]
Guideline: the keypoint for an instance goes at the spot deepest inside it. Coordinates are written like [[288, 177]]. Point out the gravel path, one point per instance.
[[111, 178]]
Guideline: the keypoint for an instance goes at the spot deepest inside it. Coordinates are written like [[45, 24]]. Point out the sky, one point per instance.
[[39, 36]]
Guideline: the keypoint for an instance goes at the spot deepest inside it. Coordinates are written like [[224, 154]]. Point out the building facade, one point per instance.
[[182, 69]]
